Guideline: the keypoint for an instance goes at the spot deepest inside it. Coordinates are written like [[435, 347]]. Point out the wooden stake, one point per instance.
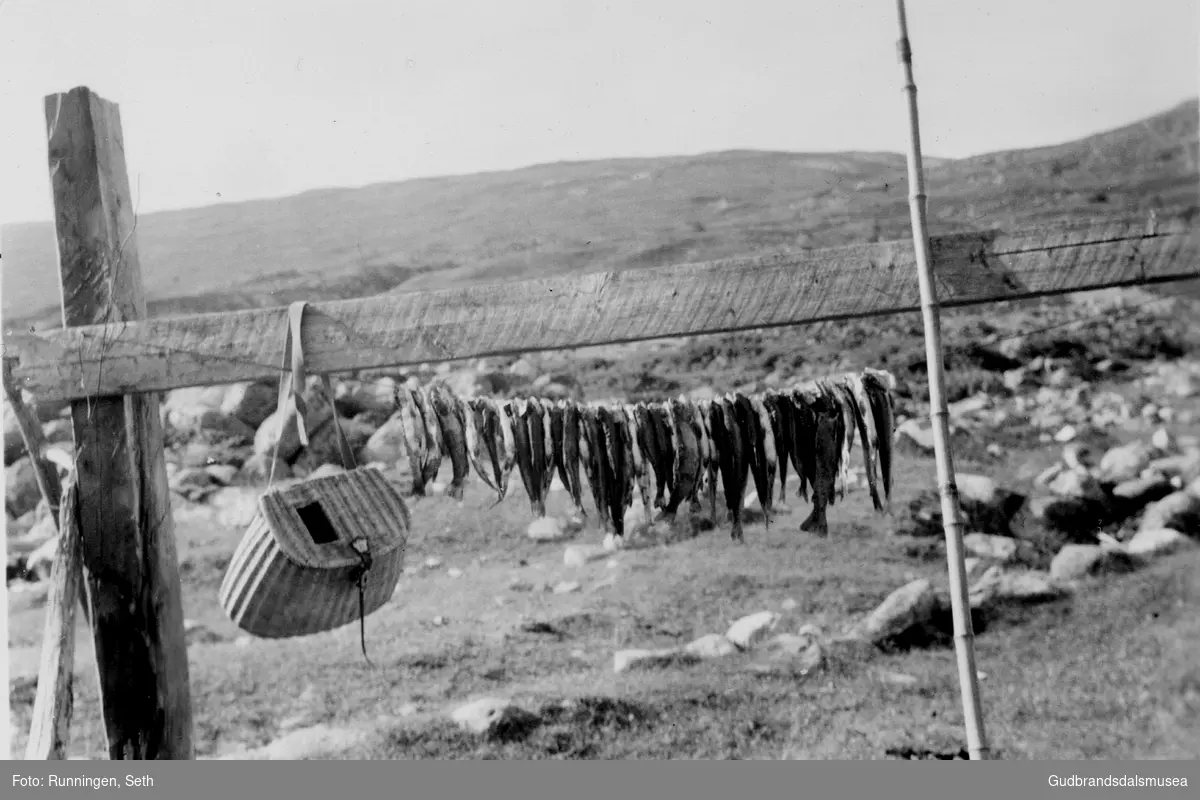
[[50, 733], [127, 542], [964, 635]]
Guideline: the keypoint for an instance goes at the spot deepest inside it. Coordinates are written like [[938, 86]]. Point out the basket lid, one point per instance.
[[315, 522]]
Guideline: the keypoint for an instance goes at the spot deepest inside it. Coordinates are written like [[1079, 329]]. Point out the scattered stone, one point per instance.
[[440, 621], [1047, 476], [199, 633], [545, 529], [251, 403], [1076, 483], [712, 645], [520, 585], [998, 585], [1161, 440], [222, 473], [433, 562], [912, 605], [1185, 466], [21, 493], [789, 604], [795, 661], [1124, 463], [990, 546], [567, 587], [1158, 542], [581, 554], [258, 468], [1140, 492], [1077, 561], [1077, 517], [1178, 511], [898, 679], [750, 630], [912, 431], [628, 660], [454, 572], [386, 444], [1066, 434], [482, 715], [1077, 456]]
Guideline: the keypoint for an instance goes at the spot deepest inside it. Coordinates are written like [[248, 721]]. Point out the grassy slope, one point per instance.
[[619, 213]]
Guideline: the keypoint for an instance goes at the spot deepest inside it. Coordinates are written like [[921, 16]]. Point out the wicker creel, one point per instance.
[[320, 553], [296, 570]]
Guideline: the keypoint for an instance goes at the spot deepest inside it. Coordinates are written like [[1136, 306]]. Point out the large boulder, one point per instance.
[[182, 408], [21, 492], [280, 430], [251, 403], [1126, 462], [1076, 561], [387, 444], [1178, 511], [324, 448], [913, 606]]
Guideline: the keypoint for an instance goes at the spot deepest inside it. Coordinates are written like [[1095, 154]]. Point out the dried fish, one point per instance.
[[781, 429], [868, 434], [508, 443], [879, 392], [477, 451], [664, 453], [593, 453], [751, 428], [541, 457], [620, 466], [451, 417], [826, 457], [564, 430], [516, 410], [433, 436], [735, 466], [711, 412], [415, 438], [686, 472], [766, 446], [641, 471]]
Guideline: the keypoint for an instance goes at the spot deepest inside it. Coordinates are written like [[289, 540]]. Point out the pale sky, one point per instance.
[[229, 100]]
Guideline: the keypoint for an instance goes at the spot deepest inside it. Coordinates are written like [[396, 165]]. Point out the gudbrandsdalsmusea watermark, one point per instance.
[[1115, 780]]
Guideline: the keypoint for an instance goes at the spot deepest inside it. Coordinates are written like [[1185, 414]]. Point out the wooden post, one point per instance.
[[127, 542], [964, 635]]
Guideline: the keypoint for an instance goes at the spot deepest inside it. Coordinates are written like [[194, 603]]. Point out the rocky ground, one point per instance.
[[1079, 470]]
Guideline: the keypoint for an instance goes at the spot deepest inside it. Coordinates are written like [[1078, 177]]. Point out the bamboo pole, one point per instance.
[[964, 635]]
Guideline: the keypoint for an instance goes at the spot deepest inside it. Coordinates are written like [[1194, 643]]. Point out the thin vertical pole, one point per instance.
[[964, 635]]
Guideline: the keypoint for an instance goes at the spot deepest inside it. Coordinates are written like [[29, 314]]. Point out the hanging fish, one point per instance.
[[766, 445], [665, 446], [619, 467], [711, 413], [564, 429], [845, 432], [451, 417], [433, 436], [487, 450], [751, 429], [868, 434], [804, 432], [781, 430], [506, 442], [651, 446], [641, 471], [592, 451], [704, 435], [548, 449], [516, 410], [826, 458], [413, 426], [878, 386], [686, 471], [735, 465], [541, 468]]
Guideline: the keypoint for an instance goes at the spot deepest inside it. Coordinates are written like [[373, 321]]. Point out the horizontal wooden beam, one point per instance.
[[599, 308]]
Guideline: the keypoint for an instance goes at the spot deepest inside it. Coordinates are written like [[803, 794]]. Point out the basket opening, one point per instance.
[[317, 523]]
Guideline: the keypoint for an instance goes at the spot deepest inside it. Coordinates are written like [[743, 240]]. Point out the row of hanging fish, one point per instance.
[[673, 452]]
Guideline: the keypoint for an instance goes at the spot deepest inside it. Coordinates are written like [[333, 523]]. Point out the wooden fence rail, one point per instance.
[[599, 308]]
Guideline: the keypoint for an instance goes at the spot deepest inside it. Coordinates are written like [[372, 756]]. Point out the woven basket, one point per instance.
[[288, 578]]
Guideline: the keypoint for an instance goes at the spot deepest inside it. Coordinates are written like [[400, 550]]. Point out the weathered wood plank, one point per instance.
[[50, 732], [127, 540], [601, 308]]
